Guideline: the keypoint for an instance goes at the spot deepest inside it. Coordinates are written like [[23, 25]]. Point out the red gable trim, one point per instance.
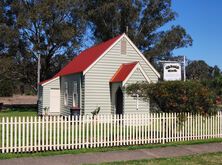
[[123, 72], [86, 58]]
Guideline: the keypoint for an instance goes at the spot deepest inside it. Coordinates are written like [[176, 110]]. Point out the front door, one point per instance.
[[119, 101], [54, 101]]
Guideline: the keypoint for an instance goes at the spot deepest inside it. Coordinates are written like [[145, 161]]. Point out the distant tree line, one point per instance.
[[59, 30], [210, 77]]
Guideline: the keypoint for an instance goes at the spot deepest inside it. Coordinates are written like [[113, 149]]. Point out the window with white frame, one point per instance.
[[75, 95], [66, 94]]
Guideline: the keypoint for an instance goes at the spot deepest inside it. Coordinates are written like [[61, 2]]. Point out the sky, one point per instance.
[[202, 19]]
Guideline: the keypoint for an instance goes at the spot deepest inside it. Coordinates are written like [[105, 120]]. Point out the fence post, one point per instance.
[[7, 134], [220, 132], [164, 127], [11, 134], [3, 135]]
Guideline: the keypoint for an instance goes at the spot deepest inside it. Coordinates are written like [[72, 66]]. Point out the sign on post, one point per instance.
[[171, 71]]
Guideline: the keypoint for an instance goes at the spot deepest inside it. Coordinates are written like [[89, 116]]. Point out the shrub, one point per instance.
[[177, 96]]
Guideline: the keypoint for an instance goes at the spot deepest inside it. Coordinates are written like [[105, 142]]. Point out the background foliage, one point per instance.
[[59, 30]]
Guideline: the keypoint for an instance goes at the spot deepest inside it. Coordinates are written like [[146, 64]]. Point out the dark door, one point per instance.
[[119, 101]]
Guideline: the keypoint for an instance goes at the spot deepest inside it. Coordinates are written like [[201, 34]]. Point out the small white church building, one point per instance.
[[96, 78]]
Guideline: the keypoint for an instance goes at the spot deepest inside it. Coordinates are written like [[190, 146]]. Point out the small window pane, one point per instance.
[[66, 94], [75, 87], [75, 100], [65, 98], [75, 94]]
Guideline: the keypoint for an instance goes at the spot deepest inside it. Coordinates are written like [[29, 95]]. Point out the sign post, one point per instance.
[[184, 68]]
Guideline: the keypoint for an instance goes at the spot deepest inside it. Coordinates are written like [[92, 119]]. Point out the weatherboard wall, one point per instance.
[[54, 84], [133, 104], [97, 86]]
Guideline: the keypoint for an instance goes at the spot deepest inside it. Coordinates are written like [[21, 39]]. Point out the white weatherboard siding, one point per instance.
[[65, 110], [97, 86], [54, 84], [132, 103]]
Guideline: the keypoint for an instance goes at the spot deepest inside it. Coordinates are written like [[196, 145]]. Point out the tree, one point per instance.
[[49, 28], [177, 96], [198, 70], [215, 71], [17, 64], [8, 44], [53, 29], [144, 19]]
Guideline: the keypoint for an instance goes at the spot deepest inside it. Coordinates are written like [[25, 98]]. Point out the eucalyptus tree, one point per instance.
[[51, 29], [142, 20]]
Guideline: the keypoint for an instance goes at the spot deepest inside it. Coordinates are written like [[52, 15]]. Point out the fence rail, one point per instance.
[[28, 134]]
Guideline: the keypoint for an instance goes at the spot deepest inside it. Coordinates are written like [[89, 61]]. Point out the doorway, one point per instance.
[[54, 101], [119, 101]]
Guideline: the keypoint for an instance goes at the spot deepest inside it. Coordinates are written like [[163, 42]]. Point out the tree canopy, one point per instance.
[[58, 30], [52, 29], [198, 70], [144, 20]]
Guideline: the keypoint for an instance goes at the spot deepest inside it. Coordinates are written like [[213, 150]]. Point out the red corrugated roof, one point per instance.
[[85, 59], [123, 71]]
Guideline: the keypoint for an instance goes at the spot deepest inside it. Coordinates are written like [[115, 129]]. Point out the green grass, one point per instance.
[[18, 112], [12, 112], [121, 148], [203, 159]]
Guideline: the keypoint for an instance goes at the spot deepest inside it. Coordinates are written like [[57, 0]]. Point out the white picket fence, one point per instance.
[[28, 134]]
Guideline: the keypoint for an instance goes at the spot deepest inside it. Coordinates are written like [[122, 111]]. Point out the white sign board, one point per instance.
[[171, 71]]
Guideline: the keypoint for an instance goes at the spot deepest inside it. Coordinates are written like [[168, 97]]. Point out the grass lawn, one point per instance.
[[18, 112], [203, 159], [121, 148]]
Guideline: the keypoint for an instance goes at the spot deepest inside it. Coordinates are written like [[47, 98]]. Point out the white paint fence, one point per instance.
[[28, 134]]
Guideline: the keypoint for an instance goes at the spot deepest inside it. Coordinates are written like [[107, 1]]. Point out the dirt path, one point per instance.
[[101, 157], [19, 99]]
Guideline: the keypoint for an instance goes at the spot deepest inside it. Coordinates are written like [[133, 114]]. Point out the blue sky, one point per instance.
[[202, 19]]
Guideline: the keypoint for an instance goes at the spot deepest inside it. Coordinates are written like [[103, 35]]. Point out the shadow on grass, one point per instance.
[[8, 110]]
